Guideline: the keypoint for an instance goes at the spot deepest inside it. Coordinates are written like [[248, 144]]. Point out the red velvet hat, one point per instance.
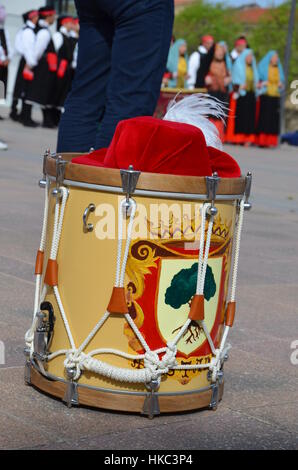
[[165, 146]]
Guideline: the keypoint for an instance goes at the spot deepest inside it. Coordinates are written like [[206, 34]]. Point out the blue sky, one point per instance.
[[262, 3]]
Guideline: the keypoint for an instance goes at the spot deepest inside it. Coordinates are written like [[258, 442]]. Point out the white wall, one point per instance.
[[14, 21], [17, 7]]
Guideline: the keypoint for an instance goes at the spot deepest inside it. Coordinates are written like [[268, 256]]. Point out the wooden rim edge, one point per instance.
[[123, 402], [147, 181]]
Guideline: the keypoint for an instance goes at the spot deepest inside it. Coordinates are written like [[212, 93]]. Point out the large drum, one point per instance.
[[132, 303]]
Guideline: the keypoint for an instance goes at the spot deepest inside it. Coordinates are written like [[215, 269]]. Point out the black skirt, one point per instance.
[[245, 121], [43, 85], [221, 96], [20, 84], [3, 78], [269, 115]]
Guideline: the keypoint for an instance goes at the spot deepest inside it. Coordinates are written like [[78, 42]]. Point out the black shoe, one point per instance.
[[48, 125], [15, 117], [30, 123]]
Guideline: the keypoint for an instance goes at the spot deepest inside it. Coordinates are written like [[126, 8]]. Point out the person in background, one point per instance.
[[41, 91], [64, 49], [218, 80], [25, 46], [177, 65], [245, 80], [6, 50], [272, 82], [167, 74], [240, 44], [122, 55], [199, 63]]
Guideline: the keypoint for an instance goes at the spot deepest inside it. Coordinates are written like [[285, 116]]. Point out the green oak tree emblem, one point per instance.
[[181, 291]]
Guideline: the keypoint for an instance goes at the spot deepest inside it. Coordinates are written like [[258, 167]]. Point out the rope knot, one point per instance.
[[169, 359], [73, 363], [158, 366], [215, 365], [151, 361]]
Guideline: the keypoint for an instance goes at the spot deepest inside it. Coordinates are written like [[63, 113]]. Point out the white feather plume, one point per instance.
[[195, 109]]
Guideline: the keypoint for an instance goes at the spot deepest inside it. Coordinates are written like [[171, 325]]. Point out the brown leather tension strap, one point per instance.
[[39, 262], [117, 302], [230, 316], [197, 308], [51, 276]]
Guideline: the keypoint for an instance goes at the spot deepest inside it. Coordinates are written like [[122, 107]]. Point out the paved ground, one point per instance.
[[260, 406]]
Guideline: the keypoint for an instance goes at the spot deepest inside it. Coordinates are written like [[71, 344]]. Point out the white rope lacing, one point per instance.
[[221, 352], [202, 268], [76, 360], [154, 365], [39, 296]]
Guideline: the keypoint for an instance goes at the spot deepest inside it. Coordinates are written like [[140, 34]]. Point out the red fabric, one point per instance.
[[33, 14], [230, 129], [207, 37], [52, 60], [46, 13], [67, 19], [240, 42], [224, 164], [158, 146], [267, 140], [62, 68], [220, 126], [95, 158], [28, 75]]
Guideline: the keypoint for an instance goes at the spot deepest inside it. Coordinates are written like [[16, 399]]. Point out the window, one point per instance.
[[64, 6]]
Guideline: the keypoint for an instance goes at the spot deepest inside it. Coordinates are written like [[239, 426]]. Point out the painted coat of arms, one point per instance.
[[162, 277]]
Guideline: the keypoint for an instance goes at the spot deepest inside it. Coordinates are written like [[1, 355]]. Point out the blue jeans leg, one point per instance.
[[123, 49], [139, 54], [85, 104]]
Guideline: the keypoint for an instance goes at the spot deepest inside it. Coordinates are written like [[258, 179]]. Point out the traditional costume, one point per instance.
[[41, 91], [25, 47], [64, 48], [199, 64], [272, 80], [240, 45], [6, 49], [218, 80], [177, 65], [242, 116]]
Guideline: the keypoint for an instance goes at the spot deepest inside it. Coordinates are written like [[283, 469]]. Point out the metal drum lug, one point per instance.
[[151, 403]]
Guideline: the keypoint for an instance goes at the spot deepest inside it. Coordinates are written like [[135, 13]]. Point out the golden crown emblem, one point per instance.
[[188, 229]]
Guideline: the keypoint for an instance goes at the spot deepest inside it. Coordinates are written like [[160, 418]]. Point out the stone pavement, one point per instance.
[[260, 405]]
